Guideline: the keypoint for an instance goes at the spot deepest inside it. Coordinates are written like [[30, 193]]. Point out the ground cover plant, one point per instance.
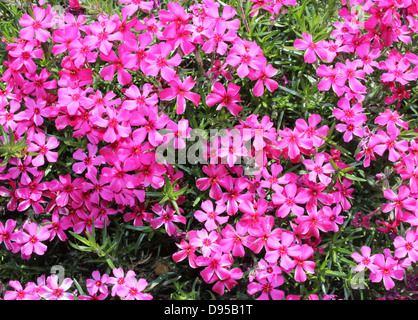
[[245, 149]]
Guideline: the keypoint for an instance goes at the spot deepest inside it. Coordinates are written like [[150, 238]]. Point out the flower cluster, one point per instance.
[[119, 89], [126, 287]]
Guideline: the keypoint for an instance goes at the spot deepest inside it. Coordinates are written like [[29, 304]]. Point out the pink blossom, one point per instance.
[[187, 250], [166, 216], [158, 61], [312, 49], [20, 293], [30, 241], [207, 242], [53, 291], [226, 98], [301, 254], [36, 26], [406, 246], [267, 288], [211, 216], [89, 161], [7, 234], [181, 91], [387, 269], [43, 147], [318, 169], [288, 200], [365, 259], [133, 289], [390, 120], [125, 61]]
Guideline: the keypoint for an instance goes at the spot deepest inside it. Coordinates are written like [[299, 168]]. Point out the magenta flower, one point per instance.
[[30, 241], [333, 78], [244, 55], [226, 98], [318, 169], [293, 141], [288, 200], [117, 175], [233, 195], [312, 49], [207, 242], [57, 225], [397, 71], [215, 173], [187, 251], [132, 290], [39, 145], [140, 101], [20, 293], [32, 189], [279, 249], [233, 240], [406, 246], [125, 61], [150, 124], [36, 110], [267, 288], [387, 269], [87, 161], [382, 142], [217, 39], [158, 61], [134, 5], [229, 283], [312, 223], [53, 291], [36, 26], [350, 73], [167, 217], [365, 260], [7, 234], [119, 279], [38, 84], [390, 120], [216, 265], [211, 216], [112, 123], [400, 201], [67, 189], [102, 35], [311, 131], [98, 283], [301, 254], [181, 91]]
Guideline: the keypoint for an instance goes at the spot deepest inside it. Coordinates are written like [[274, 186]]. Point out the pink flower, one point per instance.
[[114, 129], [301, 254], [407, 245], [293, 141], [207, 242], [102, 35], [87, 161], [279, 249], [233, 195], [20, 293], [349, 72], [30, 241], [211, 216], [318, 169], [44, 149], [36, 26], [38, 84], [7, 234], [390, 120], [288, 200], [215, 173], [119, 279], [180, 91], [67, 189], [312, 49], [267, 288], [134, 5], [125, 61], [218, 38], [233, 240], [216, 265], [53, 291], [167, 217], [98, 283], [311, 131], [244, 55], [187, 250], [382, 142], [226, 98], [397, 71], [365, 259], [334, 79], [400, 201], [387, 269], [132, 290], [158, 61]]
